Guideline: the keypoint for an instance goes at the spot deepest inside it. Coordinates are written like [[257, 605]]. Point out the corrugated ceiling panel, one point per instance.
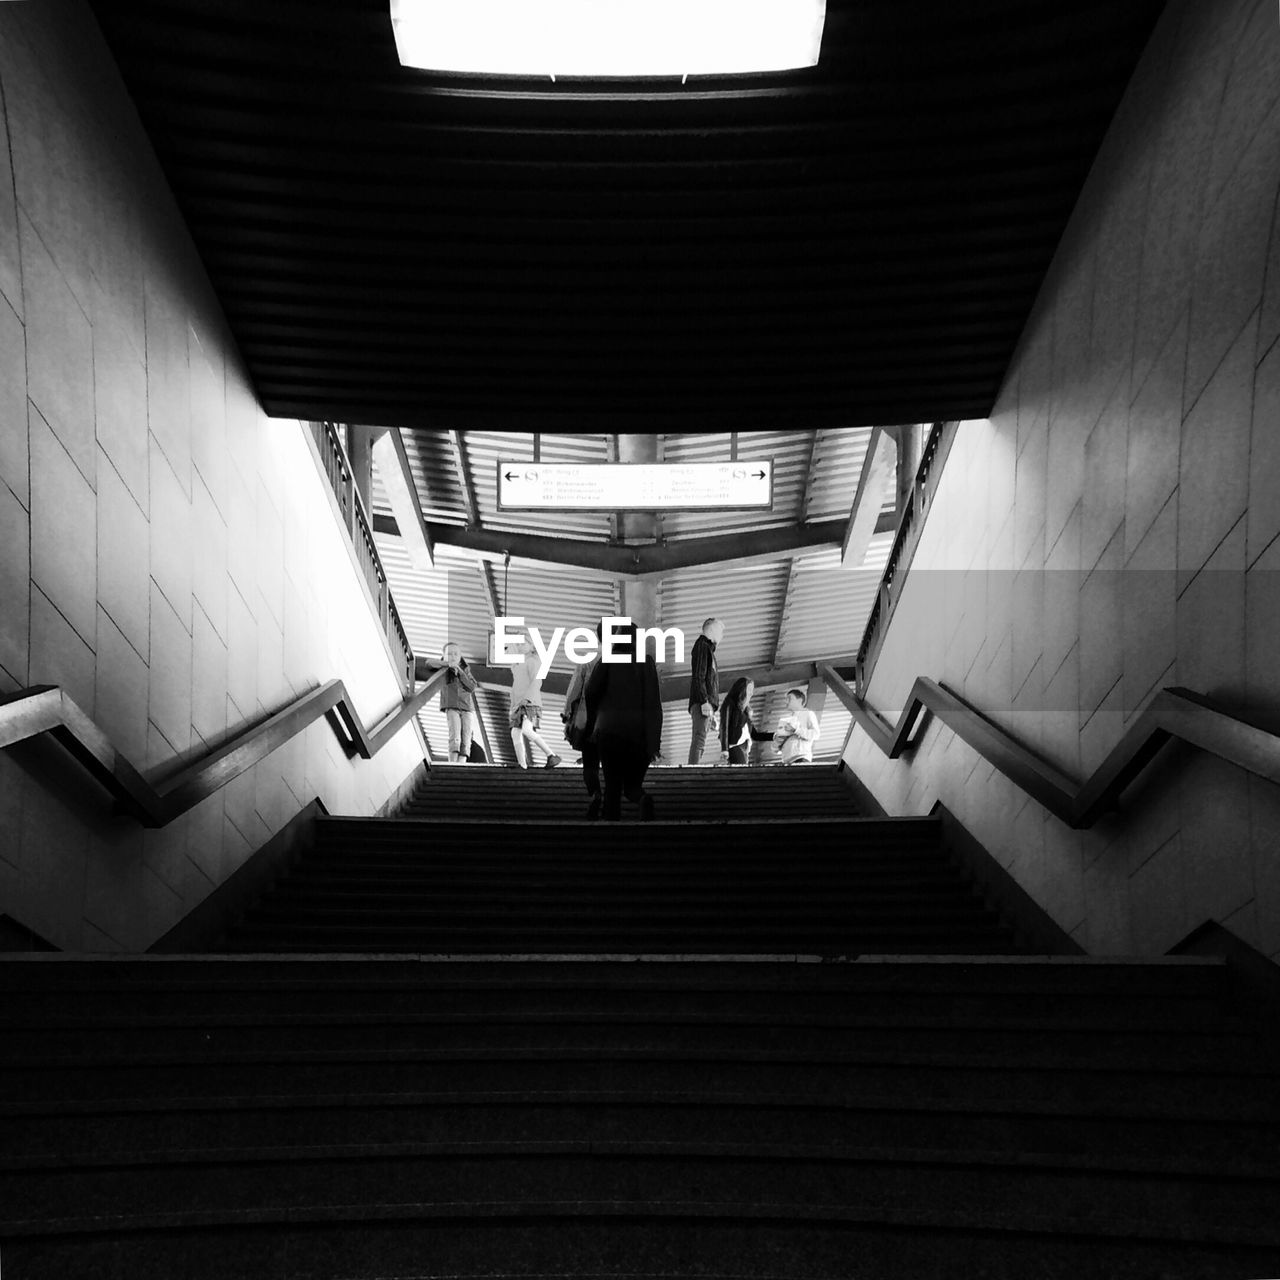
[[789, 451], [381, 503], [447, 602], [828, 607], [548, 598], [485, 449], [838, 456], [747, 600], [435, 472], [834, 722]]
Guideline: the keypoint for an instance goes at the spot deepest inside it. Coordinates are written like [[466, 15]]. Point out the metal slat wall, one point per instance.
[[549, 597], [827, 609], [431, 463], [853, 243], [484, 450], [837, 463], [748, 600], [790, 453]]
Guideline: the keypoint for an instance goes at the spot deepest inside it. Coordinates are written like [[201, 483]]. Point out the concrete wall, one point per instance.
[[1112, 529], [167, 553]]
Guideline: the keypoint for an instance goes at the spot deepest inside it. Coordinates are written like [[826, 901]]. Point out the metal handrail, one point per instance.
[[359, 527], [1174, 713], [48, 709]]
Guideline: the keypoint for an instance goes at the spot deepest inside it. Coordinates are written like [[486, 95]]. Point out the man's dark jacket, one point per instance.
[[704, 679]]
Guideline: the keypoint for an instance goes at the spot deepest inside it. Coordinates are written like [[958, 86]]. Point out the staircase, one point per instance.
[[748, 1106], [741, 861]]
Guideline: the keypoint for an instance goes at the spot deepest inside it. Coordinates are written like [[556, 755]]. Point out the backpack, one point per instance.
[[575, 715], [575, 729]]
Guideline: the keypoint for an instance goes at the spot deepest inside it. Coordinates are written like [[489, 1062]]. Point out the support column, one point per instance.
[[907, 439], [361, 453], [639, 595]]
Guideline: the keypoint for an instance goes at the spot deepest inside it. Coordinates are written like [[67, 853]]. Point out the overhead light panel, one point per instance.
[[595, 38]]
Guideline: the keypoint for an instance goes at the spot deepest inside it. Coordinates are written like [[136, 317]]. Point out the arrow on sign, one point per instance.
[[759, 475], [510, 475]]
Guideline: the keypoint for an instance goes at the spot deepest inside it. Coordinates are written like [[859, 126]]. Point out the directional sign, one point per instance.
[[634, 486]]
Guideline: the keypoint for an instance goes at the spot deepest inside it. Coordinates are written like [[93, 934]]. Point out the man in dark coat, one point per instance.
[[704, 686], [624, 714]]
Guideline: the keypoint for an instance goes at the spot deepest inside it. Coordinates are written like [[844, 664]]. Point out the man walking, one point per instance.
[[575, 730], [624, 714], [704, 686]]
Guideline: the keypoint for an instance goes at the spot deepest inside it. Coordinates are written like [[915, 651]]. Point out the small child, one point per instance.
[[526, 709], [797, 731], [456, 702]]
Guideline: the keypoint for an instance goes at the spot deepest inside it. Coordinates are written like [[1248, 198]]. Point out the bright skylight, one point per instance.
[[608, 37]]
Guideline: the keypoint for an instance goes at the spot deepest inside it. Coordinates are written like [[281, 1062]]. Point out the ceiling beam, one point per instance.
[[625, 561], [764, 545], [782, 613], [490, 587], [397, 478], [674, 687], [817, 697], [640, 596], [464, 476], [791, 568], [473, 518], [865, 516], [808, 474]]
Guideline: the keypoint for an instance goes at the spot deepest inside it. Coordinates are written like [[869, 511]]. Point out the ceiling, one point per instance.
[[783, 611], [851, 244]]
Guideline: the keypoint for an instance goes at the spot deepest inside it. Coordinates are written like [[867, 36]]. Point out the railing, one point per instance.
[[46, 709], [333, 457], [1172, 714], [910, 527]]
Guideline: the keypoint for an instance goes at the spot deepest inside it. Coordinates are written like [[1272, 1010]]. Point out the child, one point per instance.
[[526, 709], [797, 731], [456, 702]]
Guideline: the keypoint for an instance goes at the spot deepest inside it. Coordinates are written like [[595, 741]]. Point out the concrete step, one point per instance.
[[641, 1179], [244, 1004], [1167, 977], [669, 910], [903, 938], [48, 1137], [716, 1244], [1221, 1091], [625, 1037]]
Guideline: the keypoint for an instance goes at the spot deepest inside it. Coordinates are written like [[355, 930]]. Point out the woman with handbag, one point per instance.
[[737, 732]]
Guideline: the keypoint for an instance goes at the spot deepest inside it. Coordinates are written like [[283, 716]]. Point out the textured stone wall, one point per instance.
[[1112, 528], [167, 553]]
